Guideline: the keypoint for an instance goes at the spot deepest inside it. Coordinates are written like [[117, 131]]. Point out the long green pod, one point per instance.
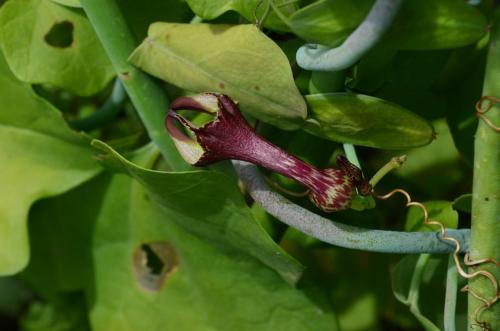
[[367, 121]]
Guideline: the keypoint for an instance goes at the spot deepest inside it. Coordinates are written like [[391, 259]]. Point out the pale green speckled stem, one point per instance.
[[485, 230], [339, 234]]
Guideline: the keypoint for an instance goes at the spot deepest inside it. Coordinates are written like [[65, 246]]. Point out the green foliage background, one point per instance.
[[98, 233]]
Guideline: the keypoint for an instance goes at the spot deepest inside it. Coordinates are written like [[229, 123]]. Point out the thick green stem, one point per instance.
[[485, 230], [147, 96]]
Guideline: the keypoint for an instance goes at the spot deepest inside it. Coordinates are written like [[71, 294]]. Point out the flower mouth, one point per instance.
[[229, 136], [217, 140]]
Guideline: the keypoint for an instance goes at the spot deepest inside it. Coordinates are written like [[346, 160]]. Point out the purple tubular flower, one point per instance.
[[229, 136]]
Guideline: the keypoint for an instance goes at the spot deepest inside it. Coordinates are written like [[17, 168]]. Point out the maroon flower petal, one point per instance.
[[229, 136]]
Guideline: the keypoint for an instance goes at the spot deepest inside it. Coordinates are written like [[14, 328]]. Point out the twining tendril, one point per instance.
[[469, 262], [478, 311], [483, 105], [442, 230]]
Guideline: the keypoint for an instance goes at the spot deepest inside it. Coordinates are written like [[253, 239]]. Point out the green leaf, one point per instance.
[[60, 234], [41, 156], [407, 78], [215, 278], [420, 24], [329, 22], [430, 24], [69, 3], [366, 121], [15, 295], [44, 42], [441, 211], [220, 214], [462, 98], [65, 313], [417, 281], [210, 9], [236, 60], [406, 281], [140, 14], [123, 231], [463, 203], [437, 168]]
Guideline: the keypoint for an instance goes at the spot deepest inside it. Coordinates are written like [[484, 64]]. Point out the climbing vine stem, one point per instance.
[[484, 311], [147, 96]]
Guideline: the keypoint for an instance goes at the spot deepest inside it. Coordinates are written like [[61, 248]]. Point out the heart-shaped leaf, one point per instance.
[[145, 257], [202, 280], [239, 61]]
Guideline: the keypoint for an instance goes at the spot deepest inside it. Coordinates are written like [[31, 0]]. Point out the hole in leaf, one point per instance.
[[60, 35], [152, 263]]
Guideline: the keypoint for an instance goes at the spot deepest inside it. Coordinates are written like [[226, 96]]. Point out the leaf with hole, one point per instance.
[[224, 219], [47, 43], [366, 121], [239, 61], [204, 270]]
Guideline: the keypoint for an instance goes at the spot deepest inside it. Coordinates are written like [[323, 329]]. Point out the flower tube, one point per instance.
[[229, 136]]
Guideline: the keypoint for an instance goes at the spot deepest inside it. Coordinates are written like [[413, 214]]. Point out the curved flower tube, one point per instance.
[[229, 136]]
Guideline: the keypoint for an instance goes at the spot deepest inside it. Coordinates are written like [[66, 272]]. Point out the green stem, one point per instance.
[[485, 228], [394, 163], [260, 22], [327, 81], [450, 302], [196, 19], [106, 114], [416, 279], [147, 96], [337, 233], [366, 35], [414, 292]]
